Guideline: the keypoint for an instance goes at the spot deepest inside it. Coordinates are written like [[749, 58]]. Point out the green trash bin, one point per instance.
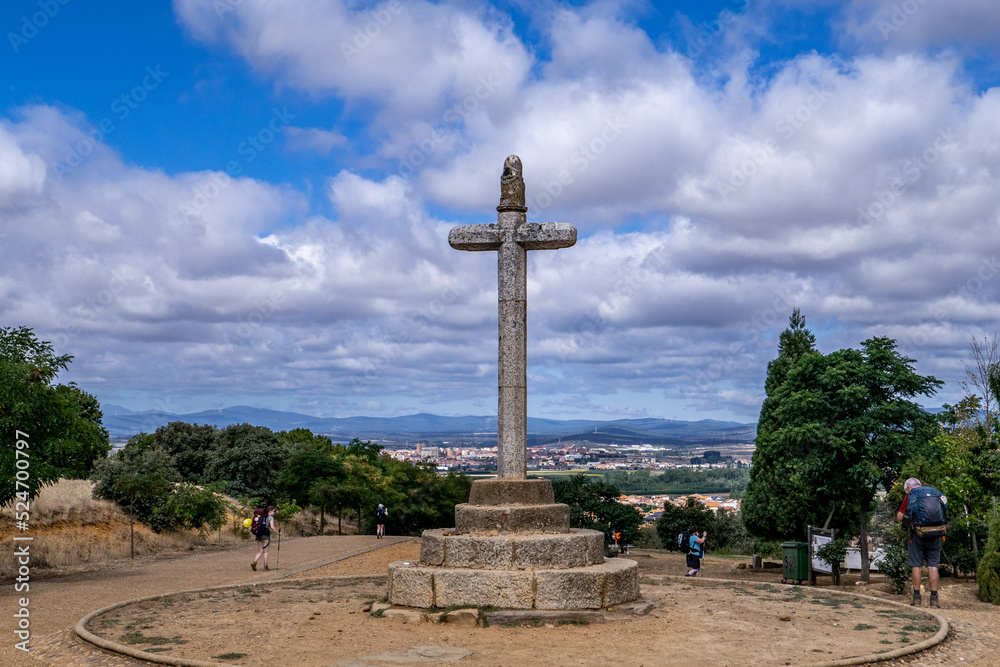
[[794, 562]]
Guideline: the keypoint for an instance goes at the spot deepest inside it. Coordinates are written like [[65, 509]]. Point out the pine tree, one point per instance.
[[773, 499]]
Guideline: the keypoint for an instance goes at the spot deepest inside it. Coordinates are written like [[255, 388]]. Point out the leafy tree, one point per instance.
[[330, 497], [871, 424], [306, 466], [368, 451], [777, 495], [365, 484], [594, 504], [248, 461], [843, 424], [59, 424], [193, 507], [191, 445], [140, 480], [425, 499], [692, 516]]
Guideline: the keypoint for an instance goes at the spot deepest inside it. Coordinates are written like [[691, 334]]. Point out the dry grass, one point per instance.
[[73, 531]]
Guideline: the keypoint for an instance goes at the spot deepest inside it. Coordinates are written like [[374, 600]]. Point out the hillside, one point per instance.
[[123, 423]]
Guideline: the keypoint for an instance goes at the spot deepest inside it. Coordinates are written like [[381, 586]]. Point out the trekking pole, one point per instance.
[[277, 558]]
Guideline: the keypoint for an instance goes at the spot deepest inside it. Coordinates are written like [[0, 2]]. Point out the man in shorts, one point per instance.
[[696, 552], [380, 514], [921, 550]]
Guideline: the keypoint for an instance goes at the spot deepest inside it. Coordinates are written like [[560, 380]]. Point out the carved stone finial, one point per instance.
[[512, 186]]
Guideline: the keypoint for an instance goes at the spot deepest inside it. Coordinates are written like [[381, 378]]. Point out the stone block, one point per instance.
[[511, 492], [479, 552], [432, 546], [404, 615], [462, 617], [581, 588], [494, 519], [622, 584], [411, 586], [595, 551], [535, 616], [508, 589], [551, 551]]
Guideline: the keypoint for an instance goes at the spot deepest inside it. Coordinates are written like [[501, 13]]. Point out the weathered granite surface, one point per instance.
[[512, 237], [511, 492], [592, 587], [578, 548], [512, 546], [496, 520]]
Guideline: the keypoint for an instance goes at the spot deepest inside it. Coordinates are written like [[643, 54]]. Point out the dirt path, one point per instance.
[[55, 605], [735, 623]]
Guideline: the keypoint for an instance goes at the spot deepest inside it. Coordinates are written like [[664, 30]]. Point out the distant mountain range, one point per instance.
[[124, 423]]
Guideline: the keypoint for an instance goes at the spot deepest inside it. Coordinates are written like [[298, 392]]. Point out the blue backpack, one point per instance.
[[927, 511]]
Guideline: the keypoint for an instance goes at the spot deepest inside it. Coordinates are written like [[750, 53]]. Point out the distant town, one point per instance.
[[575, 457]]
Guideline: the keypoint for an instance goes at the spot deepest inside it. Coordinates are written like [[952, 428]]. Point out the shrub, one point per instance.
[[896, 563], [988, 573], [648, 538]]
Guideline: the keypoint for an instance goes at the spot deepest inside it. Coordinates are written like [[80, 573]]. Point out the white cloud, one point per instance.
[[962, 25], [21, 175], [416, 59], [313, 139], [863, 189]]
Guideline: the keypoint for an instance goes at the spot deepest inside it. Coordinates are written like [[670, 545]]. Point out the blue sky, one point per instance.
[[211, 203]]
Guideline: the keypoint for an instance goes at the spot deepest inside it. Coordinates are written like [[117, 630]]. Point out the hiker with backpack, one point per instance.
[[695, 551], [261, 526], [925, 513], [380, 514]]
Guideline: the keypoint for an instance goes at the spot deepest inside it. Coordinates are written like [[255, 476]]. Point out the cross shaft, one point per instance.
[[512, 237]]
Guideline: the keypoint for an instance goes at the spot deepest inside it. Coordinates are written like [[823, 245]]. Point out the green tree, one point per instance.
[[364, 484], [192, 447], [306, 466], [60, 425], [139, 480], [776, 494], [247, 461], [837, 427], [593, 504], [692, 516], [330, 496], [194, 507]]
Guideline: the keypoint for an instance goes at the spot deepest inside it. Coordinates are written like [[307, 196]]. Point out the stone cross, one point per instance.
[[512, 236]]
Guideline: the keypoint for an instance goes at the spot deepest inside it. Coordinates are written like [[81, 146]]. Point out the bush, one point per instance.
[[648, 538], [988, 572], [192, 507], [896, 563]]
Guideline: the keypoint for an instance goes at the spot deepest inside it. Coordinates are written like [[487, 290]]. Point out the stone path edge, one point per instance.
[[943, 626], [81, 631]]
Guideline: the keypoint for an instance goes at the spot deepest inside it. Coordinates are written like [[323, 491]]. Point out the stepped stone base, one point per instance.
[[576, 548], [512, 548], [591, 587], [500, 519], [511, 492]]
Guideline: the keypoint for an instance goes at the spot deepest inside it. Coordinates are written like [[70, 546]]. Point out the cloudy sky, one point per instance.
[[214, 203]]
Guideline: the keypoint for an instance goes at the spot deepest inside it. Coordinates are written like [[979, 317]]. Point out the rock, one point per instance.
[[786, 617], [463, 617], [404, 615]]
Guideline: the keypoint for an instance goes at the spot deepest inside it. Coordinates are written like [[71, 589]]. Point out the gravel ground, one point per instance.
[[57, 604]]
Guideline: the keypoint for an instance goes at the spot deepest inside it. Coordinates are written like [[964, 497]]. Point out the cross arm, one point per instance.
[[546, 235], [475, 237]]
